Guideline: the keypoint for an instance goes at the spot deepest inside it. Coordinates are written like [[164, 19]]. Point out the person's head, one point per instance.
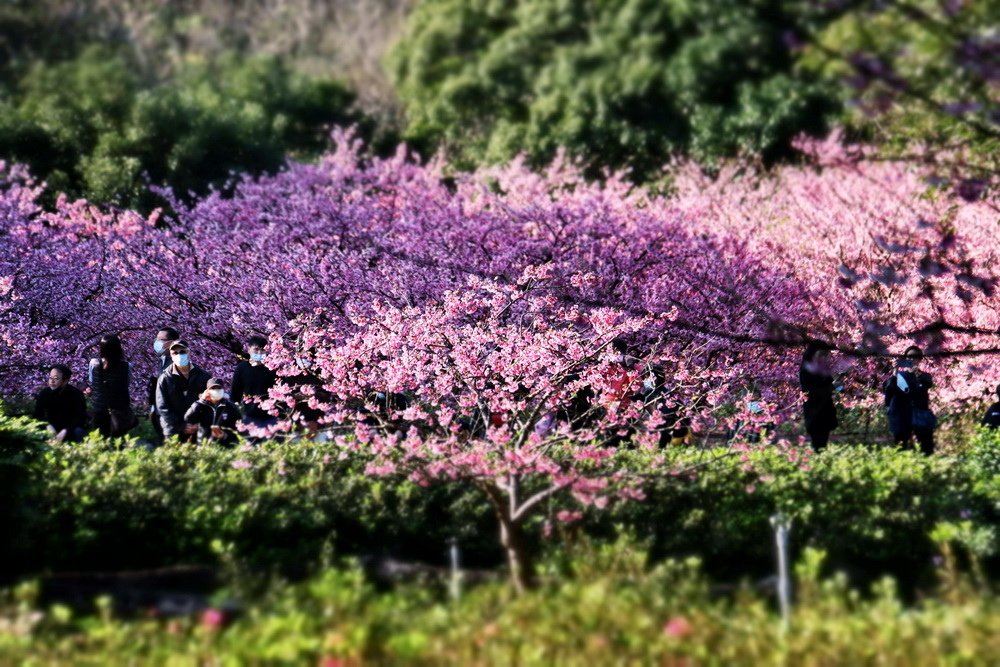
[[617, 350], [255, 347], [59, 376], [164, 337], [216, 389], [179, 354], [816, 352], [655, 377], [911, 357], [111, 350]]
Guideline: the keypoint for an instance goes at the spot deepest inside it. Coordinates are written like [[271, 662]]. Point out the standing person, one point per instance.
[[306, 386], [907, 402], [214, 415], [252, 380], [110, 377], [992, 417], [177, 388], [161, 346], [62, 405], [816, 380], [675, 429]]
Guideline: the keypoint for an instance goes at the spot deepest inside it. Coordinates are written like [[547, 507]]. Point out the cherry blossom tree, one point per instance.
[[497, 328]]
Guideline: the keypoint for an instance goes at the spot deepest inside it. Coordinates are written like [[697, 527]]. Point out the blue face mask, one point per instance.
[[159, 345], [182, 360], [257, 356], [906, 363]]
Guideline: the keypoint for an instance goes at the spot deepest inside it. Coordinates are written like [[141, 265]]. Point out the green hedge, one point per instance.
[[282, 507]]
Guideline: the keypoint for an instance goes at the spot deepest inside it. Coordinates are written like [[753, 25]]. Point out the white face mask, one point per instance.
[[216, 394], [648, 384]]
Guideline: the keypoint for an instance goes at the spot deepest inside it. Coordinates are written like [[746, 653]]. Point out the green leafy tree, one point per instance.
[[923, 78], [92, 127], [627, 83]]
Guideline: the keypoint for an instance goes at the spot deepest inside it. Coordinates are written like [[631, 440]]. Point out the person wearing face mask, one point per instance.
[[63, 406], [161, 344], [816, 380], [214, 415], [907, 402], [177, 388], [252, 380]]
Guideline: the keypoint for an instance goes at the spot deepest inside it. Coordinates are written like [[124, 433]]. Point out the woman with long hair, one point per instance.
[[110, 376], [816, 379]]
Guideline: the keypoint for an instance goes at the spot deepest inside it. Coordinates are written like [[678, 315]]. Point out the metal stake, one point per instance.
[[455, 584], [782, 527]]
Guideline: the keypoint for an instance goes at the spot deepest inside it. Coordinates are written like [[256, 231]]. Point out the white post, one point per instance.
[[455, 585], [782, 526]]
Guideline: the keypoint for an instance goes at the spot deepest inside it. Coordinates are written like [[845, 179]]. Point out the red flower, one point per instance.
[[213, 618], [677, 627]]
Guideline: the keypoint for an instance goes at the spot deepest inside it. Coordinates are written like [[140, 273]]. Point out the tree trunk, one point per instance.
[[522, 571]]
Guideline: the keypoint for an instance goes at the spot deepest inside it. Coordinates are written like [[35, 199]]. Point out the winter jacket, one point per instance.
[[992, 417], [250, 381], [63, 408], [225, 413], [109, 386], [165, 362], [175, 394], [819, 410], [899, 404]]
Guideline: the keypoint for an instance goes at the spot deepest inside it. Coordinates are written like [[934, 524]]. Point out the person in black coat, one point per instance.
[[252, 381], [165, 337], [907, 402], [215, 415], [177, 389], [110, 377], [63, 406], [816, 380], [992, 417], [675, 429]]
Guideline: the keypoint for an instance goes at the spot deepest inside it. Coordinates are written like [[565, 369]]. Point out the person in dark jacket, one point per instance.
[[177, 389], [992, 417], [161, 346], [816, 380], [306, 386], [675, 429], [110, 377], [63, 406], [215, 415], [907, 402], [251, 382]]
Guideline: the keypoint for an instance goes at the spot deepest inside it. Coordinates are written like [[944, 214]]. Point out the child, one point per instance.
[[215, 415]]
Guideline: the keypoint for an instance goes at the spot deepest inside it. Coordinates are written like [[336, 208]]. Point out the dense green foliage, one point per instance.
[[922, 77], [605, 606], [281, 508], [621, 84], [93, 127]]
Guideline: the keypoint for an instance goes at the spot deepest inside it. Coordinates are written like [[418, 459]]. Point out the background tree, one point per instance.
[[92, 127], [923, 80], [621, 84]]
